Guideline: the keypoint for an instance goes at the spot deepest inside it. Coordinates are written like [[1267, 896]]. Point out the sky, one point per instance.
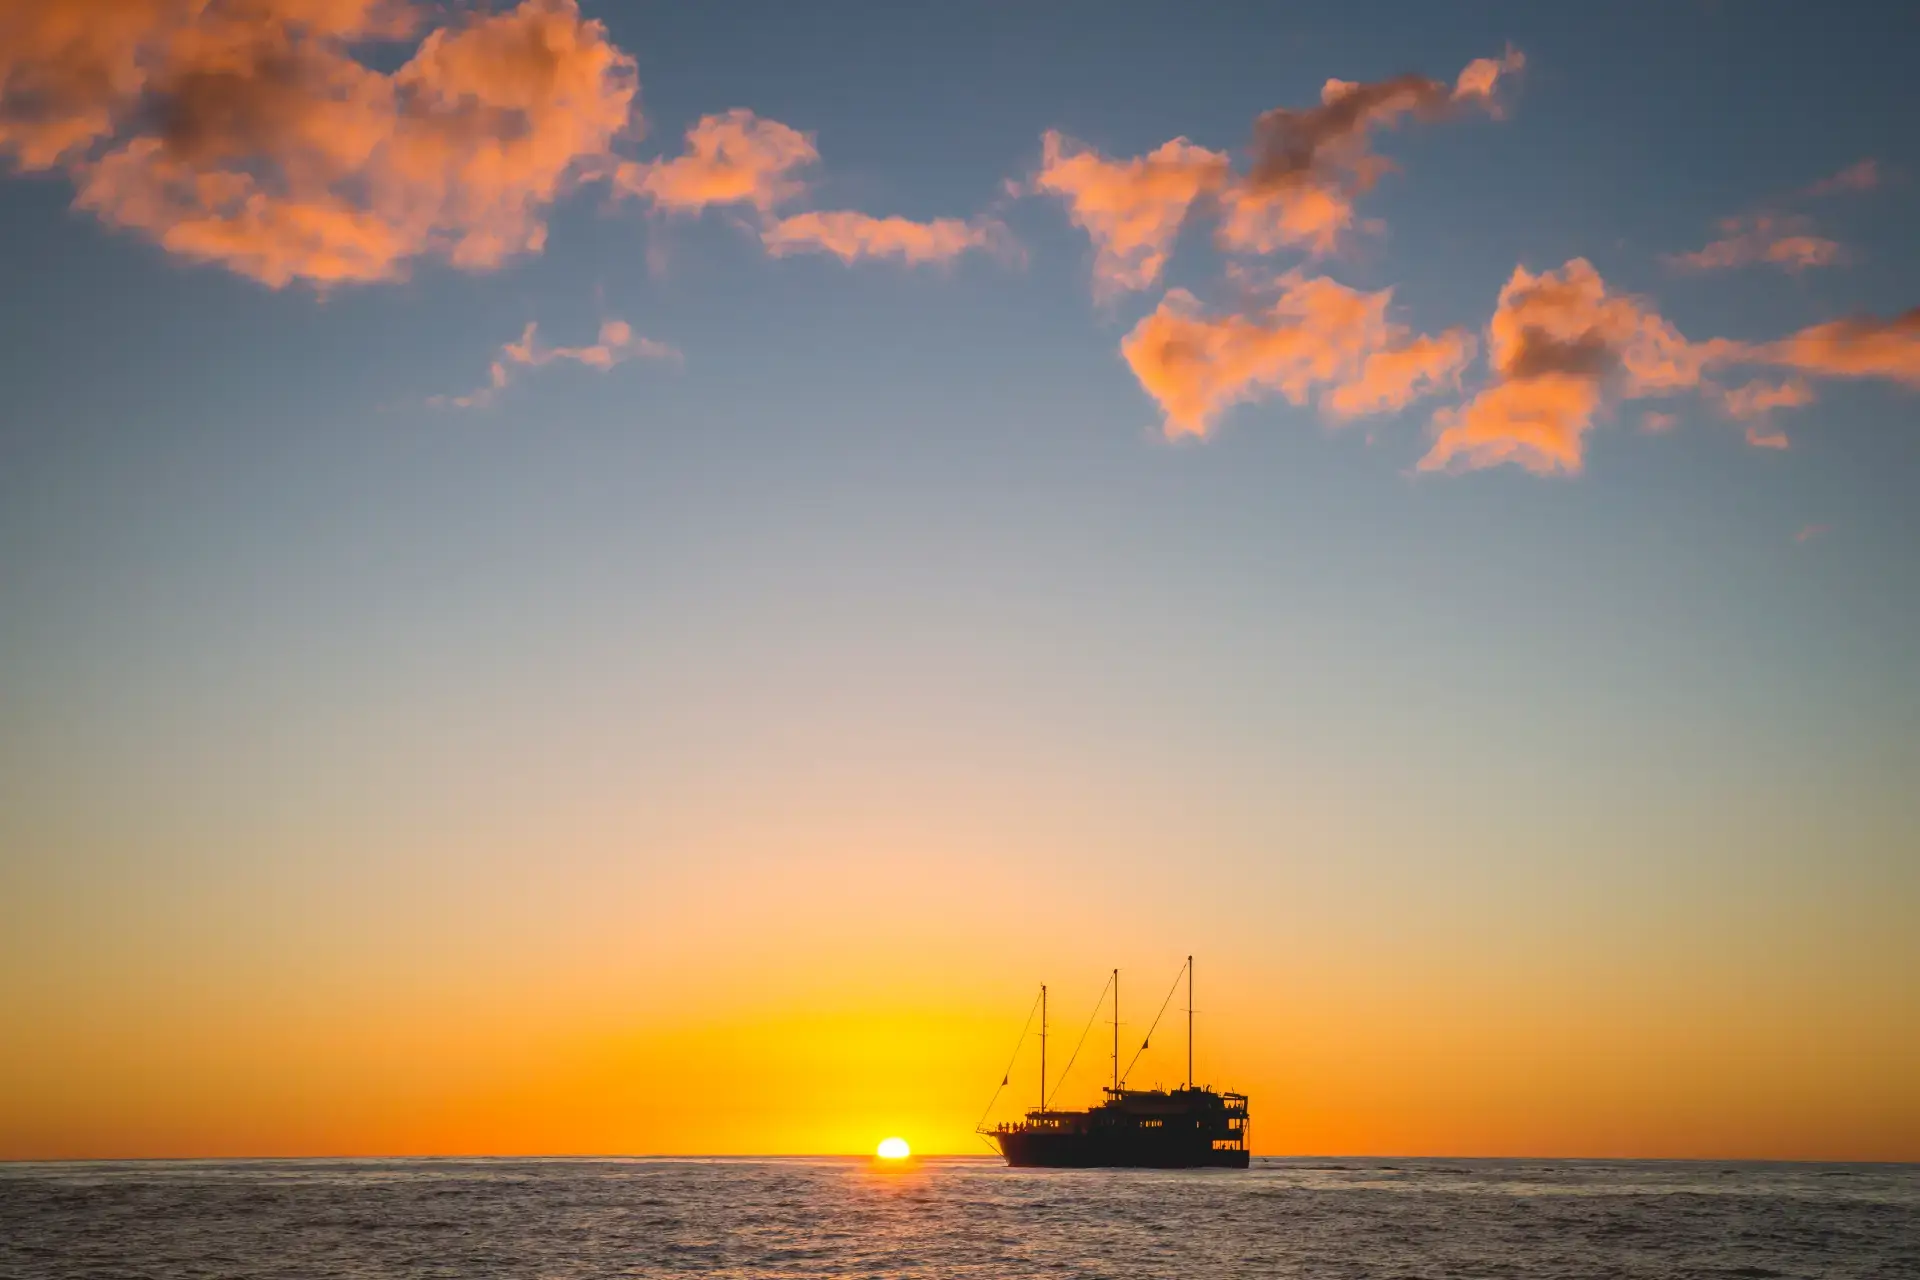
[[633, 578]]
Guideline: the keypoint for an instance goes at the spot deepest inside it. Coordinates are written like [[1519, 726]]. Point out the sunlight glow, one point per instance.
[[894, 1149]]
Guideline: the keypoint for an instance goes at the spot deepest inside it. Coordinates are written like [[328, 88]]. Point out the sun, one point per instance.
[[894, 1149]]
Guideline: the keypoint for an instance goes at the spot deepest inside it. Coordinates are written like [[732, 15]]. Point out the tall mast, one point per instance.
[[1043, 1046], [1189, 1022], [1116, 1031]]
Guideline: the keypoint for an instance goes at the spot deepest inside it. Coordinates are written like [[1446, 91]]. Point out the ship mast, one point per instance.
[[1116, 1031], [1189, 1022], [1043, 1046]]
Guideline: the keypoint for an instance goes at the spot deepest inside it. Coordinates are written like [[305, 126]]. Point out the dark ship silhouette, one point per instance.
[[1186, 1128]]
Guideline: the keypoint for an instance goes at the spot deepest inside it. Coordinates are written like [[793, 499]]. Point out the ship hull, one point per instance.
[[1114, 1150]]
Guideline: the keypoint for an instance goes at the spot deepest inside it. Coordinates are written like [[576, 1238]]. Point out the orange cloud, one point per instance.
[[1395, 376], [1862, 175], [1859, 347], [736, 158], [1560, 345], [1305, 214], [1310, 165], [1479, 78], [741, 159], [1758, 399], [1754, 404], [253, 135], [851, 236], [1809, 532], [1318, 338], [617, 344], [68, 70], [1783, 241], [1132, 209]]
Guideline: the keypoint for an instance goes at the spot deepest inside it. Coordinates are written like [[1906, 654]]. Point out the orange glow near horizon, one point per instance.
[[556, 967], [1553, 1068]]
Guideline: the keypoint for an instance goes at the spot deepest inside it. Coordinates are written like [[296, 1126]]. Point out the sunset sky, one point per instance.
[[633, 579]]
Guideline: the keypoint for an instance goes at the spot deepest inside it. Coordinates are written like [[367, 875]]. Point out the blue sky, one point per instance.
[[911, 538]]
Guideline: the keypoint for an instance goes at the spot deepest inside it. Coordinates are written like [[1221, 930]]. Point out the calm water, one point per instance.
[[570, 1218]]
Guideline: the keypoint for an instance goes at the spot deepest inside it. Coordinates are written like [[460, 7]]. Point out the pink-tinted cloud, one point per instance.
[[1656, 423], [734, 158], [1309, 214], [1560, 347], [1862, 175], [1784, 242], [741, 159], [67, 71], [1308, 166], [1404, 370], [1132, 209], [1331, 140], [1808, 532], [1781, 239], [617, 343], [1759, 398], [1479, 79], [1318, 340], [255, 136], [1858, 347], [1766, 438], [851, 236]]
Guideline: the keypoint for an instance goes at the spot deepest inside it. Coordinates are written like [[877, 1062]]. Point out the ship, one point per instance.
[[1190, 1127]]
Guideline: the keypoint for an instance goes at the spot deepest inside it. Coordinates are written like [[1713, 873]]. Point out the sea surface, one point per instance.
[[555, 1219]]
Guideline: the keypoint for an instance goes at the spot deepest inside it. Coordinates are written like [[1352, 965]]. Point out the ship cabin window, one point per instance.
[[1151, 1124], [1225, 1144], [1234, 1123]]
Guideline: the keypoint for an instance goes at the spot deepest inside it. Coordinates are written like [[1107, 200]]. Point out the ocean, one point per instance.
[[560, 1219]]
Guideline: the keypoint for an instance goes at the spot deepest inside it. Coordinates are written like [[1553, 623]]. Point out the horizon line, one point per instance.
[[930, 1155]]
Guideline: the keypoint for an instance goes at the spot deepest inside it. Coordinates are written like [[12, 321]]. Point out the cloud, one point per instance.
[[1310, 215], [68, 70], [1560, 347], [1862, 175], [1655, 423], [1808, 532], [1785, 242], [1318, 339], [851, 236], [1762, 438], [1331, 139], [1132, 209], [1307, 168], [254, 136], [1310, 165], [1479, 78], [1759, 398], [617, 343], [734, 158], [1857, 347], [739, 158]]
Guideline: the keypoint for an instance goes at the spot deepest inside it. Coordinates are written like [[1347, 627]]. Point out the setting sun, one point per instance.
[[894, 1149]]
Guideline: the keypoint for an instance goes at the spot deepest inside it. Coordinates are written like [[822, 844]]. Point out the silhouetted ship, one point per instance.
[[1186, 1128]]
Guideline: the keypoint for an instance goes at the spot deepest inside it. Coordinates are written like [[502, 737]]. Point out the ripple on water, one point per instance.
[[1352, 1219]]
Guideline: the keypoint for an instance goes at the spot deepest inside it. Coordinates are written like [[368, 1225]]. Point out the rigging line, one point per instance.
[[1083, 1037], [1156, 1024], [1008, 1073]]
